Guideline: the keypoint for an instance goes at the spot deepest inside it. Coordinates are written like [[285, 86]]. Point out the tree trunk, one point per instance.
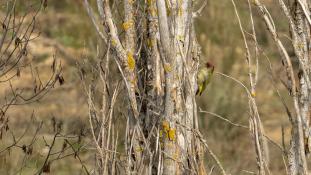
[[158, 60]]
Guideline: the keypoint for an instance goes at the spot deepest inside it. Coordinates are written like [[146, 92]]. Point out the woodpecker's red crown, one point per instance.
[[209, 65]]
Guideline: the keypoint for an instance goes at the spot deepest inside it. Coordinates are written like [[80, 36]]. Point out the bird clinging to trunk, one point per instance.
[[204, 76]]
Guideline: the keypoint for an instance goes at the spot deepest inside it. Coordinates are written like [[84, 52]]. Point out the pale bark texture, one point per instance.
[[158, 58], [297, 13]]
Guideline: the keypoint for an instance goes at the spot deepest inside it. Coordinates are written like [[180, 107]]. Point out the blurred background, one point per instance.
[[66, 33]]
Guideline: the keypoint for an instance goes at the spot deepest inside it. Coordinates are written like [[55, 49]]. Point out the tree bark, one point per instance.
[[158, 60]]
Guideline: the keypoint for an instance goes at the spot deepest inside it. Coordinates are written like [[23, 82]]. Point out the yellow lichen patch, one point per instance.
[[255, 2], [167, 67], [253, 93], [176, 154], [167, 132], [139, 149], [131, 1], [149, 2], [152, 11], [172, 134], [300, 45], [180, 38], [179, 12], [127, 25], [130, 61], [166, 126], [150, 42], [168, 11], [113, 42]]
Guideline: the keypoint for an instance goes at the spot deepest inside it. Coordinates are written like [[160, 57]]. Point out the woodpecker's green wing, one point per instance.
[[203, 78]]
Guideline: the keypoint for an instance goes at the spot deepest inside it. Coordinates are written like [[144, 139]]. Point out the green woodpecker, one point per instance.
[[204, 76]]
